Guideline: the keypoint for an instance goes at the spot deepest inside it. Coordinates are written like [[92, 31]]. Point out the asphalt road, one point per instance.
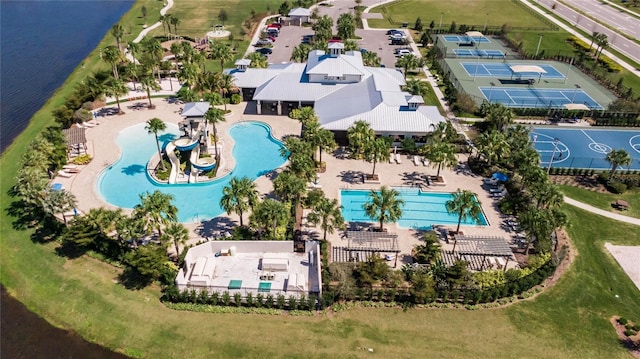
[[616, 41], [620, 20]]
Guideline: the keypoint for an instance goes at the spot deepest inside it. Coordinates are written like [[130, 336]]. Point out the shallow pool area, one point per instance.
[[421, 209], [256, 153]]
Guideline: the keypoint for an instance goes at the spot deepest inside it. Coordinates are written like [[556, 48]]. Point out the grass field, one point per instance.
[[494, 12], [604, 200], [568, 321]]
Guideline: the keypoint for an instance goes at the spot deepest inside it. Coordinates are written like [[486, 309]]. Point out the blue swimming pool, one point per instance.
[[256, 152], [421, 209]]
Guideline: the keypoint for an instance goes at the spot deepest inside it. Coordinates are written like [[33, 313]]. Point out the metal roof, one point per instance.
[[243, 62], [195, 109], [345, 64], [299, 11]]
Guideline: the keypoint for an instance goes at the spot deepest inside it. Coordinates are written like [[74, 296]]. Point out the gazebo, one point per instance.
[[299, 15], [479, 251], [76, 139]]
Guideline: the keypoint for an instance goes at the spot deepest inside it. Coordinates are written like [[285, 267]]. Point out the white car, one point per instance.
[[403, 52]]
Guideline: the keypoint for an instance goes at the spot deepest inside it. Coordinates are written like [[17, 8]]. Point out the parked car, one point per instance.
[[398, 36], [275, 24], [393, 31], [403, 52], [264, 42], [272, 38], [265, 51], [402, 41]]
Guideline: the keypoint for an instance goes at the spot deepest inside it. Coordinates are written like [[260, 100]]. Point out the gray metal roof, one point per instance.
[[415, 99], [299, 11], [243, 62], [195, 109], [254, 78], [483, 245], [291, 86], [346, 64]]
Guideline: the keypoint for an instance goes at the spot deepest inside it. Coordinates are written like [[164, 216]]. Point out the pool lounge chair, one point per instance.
[[65, 174], [398, 159], [497, 190], [425, 162], [499, 194], [416, 160]]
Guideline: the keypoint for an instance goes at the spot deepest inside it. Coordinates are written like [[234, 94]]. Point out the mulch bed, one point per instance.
[[631, 343]]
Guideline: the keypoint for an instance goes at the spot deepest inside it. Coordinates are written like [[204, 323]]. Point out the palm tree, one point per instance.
[[300, 156], [154, 126], [499, 116], [257, 60], [429, 251], [153, 53], [384, 206], [58, 201], [360, 134], [300, 53], [189, 74], [179, 234], [269, 217], [617, 158], [603, 43], [134, 49], [316, 136], [117, 31], [226, 86], [221, 52], [536, 223], [440, 154], [493, 145], [289, 188], [327, 213], [547, 195], [116, 88], [408, 62], [378, 151], [156, 210], [417, 87], [239, 196], [163, 20], [175, 21], [371, 59], [594, 36], [213, 116], [306, 115], [465, 205], [148, 83], [112, 55]]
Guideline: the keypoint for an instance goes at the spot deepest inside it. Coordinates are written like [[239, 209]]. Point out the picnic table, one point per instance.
[[622, 205]]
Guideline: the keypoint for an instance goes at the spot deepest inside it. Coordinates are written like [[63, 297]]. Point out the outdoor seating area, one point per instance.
[[621, 205]]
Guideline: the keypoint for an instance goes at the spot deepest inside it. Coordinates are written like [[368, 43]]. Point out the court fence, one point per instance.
[[576, 165]]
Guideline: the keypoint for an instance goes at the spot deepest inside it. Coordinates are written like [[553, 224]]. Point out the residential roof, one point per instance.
[[299, 11], [195, 109]]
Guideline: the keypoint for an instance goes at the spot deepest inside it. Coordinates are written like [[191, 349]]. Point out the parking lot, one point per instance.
[[371, 40]]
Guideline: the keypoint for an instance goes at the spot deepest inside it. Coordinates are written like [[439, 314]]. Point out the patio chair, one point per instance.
[[497, 189], [65, 174], [398, 159], [425, 162], [416, 160]]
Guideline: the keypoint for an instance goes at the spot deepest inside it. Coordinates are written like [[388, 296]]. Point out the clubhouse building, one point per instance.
[[341, 90]]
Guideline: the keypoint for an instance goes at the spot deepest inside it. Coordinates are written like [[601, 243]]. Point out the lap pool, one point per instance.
[[256, 153], [421, 209]]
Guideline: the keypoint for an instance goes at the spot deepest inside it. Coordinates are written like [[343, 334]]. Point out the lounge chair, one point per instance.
[[497, 190], [392, 158], [88, 125], [69, 167], [499, 194], [490, 181], [425, 162], [398, 159], [416, 160], [65, 174]]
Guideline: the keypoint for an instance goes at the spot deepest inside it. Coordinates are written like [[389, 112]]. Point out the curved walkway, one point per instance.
[[592, 209], [144, 32]]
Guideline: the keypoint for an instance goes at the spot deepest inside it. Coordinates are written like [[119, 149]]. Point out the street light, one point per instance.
[[575, 92], [485, 23], [539, 41], [440, 26], [555, 148]]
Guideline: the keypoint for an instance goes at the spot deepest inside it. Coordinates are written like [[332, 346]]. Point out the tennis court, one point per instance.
[[503, 69], [465, 39], [539, 98], [584, 147], [478, 53]]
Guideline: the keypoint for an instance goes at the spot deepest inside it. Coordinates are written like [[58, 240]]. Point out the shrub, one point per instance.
[[203, 297], [82, 159], [292, 302], [214, 298], [302, 302], [311, 303], [237, 299], [629, 333], [269, 301], [226, 298], [259, 300], [281, 301], [236, 99], [616, 187], [249, 299]]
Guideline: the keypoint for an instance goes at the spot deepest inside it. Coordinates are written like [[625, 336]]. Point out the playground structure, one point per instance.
[[195, 140]]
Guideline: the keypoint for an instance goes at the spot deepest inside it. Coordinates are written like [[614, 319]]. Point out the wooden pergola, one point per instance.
[[76, 139], [477, 249], [362, 244]]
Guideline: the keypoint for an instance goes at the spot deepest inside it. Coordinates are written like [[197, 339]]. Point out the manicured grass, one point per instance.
[[604, 200], [461, 11]]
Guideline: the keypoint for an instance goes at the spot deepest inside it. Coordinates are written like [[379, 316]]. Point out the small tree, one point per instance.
[[154, 126], [223, 16], [418, 25], [618, 158]]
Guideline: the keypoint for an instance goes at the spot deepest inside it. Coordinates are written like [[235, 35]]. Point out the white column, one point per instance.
[[279, 107], [259, 107]]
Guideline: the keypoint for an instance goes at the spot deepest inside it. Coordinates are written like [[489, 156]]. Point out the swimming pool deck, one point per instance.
[[341, 172]]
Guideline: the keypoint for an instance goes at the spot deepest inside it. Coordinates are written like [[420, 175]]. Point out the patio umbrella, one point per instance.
[[500, 177], [56, 186]]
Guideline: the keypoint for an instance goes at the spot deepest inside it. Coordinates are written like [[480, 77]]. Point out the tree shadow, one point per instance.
[[216, 228], [25, 216], [351, 176], [130, 278], [414, 178], [341, 153], [49, 229], [70, 250], [132, 170]]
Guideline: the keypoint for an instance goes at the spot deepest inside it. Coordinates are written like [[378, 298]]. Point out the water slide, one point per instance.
[[175, 162], [195, 154]]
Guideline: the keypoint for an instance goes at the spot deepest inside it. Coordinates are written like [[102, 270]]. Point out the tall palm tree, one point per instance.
[[112, 55], [177, 50], [408, 62], [602, 43], [58, 201], [300, 156], [493, 145], [290, 188], [318, 137], [536, 223], [175, 21], [499, 116], [417, 87], [189, 74], [148, 83], [239, 196], [371, 59], [547, 195], [163, 20], [154, 126], [327, 213], [214, 116], [360, 134], [153, 52], [269, 217], [156, 210], [134, 50], [116, 88], [257, 60], [440, 154], [179, 234], [378, 151], [117, 31], [306, 115], [221, 52], [465, 205], [384, 206], [300, 53], [617, 158], [226, 86]]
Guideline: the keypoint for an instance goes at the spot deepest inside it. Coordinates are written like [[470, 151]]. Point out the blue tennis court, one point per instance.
[[584, 147], [465, 39], [478, 53], [538, 98], [502, 69]]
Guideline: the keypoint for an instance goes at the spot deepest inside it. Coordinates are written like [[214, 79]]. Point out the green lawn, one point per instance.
[[604, 200], [568, 321], [461, 11]]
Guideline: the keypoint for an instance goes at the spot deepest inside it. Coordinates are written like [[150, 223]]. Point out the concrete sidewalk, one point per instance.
[[601, 212]]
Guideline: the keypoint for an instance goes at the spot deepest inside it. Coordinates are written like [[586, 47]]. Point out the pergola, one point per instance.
[[476, 250], [76, 139], [367, 243], [517, 69]]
